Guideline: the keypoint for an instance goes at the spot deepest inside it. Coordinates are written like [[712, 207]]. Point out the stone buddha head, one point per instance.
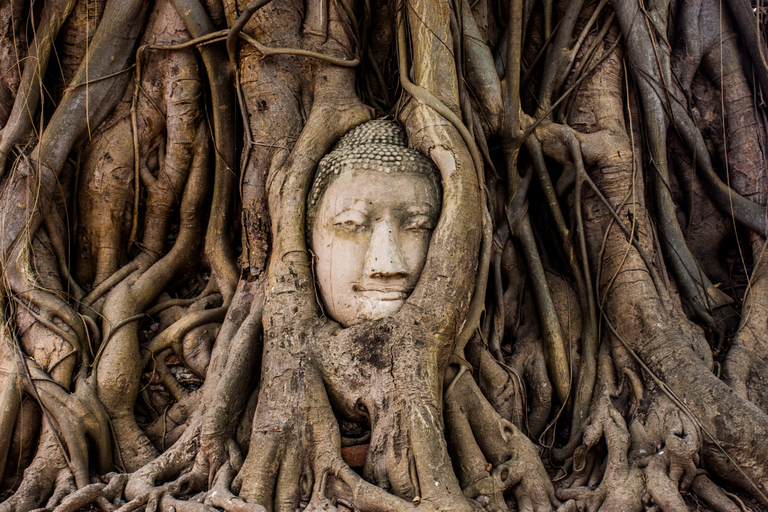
[[370, 215]]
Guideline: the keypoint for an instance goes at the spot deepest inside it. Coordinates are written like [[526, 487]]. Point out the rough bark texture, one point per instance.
[[590, 327]]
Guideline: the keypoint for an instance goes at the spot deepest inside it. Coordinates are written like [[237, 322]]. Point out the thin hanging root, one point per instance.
[[581, 273], [234, 32], [588, 371], [477, 305], [555, 353], [55, 235], [561, 54], [28, 97], [661, 108], [596, 43], [499, 314], [633, 239]]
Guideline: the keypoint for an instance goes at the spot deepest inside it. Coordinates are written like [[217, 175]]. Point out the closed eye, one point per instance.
[[350, 220], [418, 223], [349, 224]]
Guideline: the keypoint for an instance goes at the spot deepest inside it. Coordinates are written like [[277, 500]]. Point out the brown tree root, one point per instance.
[[621, 486], [101, 493], [295, 454], [195, 458], [220, 495], [159, 475], [746, 365], [79, 416], [491, 455], [47, 473], [649, 461], [10, 397], [118, 364], [712, 495]]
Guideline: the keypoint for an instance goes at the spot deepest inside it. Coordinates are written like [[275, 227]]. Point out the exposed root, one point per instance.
[[746, 366], [712, 495], [492, 455], [113, 488], [78, 415], [47, 471], [621, 485], [160, 474], [220, 494]]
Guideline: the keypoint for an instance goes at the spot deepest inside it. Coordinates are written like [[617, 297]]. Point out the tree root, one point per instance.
[[621, 485], [160, 474], [491, 455], [712, 495], [650, 461], [29, 93], [47, 472], [746, 365], [78, 415], [292, 462], [93, 492], [173, 336], [10, 399], [220, 495]]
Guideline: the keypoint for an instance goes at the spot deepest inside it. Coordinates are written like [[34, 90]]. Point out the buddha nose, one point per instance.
[[384, 258]]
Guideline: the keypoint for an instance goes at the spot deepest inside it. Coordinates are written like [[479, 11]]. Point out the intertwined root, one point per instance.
[[491, 455], [650, 461], [46, 479], [295, 450]]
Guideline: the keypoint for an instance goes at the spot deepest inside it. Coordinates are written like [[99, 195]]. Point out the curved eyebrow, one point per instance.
[[347, 211], [351, 208], [351, 204], [421, 209]]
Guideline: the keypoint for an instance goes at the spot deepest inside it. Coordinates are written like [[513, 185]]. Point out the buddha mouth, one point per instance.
[[384, 293]]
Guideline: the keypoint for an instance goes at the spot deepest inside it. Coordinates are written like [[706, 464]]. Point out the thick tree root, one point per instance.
[[103, 494], [46, 475], [746, 366], [491, 455], [650, 461]]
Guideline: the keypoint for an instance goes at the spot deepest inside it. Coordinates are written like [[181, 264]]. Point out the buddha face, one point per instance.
[[370, 235]]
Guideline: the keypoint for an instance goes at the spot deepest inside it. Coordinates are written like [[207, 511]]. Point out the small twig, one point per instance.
[[95, 80]]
